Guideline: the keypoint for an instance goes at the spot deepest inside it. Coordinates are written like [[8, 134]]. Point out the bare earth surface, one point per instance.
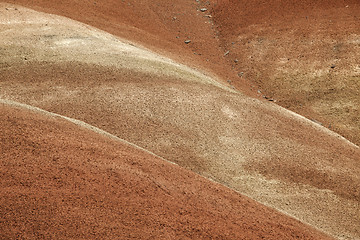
[[304, 54], [60, 180], [193, 118]]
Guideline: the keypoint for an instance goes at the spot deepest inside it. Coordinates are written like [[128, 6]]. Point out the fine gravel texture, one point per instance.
[[60, 180], [268, 153], [304, 54]]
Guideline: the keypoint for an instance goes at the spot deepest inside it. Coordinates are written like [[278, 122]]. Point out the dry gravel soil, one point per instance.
[[60, 180], [123, 67]]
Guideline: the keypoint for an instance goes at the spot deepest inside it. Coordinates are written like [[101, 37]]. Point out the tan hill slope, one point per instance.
[[264, 151], [304, 54], [60, 180], [162, 26]]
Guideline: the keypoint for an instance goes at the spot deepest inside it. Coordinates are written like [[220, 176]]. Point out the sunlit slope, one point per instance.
[[255, 147], [162, 26]]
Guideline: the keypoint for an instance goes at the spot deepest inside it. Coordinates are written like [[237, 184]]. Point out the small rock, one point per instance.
[[317, 122], [226, 53], [333, 66], [236, 61], [187, 41], [203, 9], [240, 74], [229, 81]]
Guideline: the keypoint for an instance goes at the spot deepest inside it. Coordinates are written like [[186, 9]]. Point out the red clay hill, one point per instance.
[[61, 180]]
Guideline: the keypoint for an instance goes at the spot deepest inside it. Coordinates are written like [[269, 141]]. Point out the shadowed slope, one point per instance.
[[257, 148], [59, 180], [304, 54]]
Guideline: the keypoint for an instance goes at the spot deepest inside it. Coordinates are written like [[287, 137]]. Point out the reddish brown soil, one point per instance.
[[162, 26], [59, 180], [283, 48], [304, 54], [305, 171]]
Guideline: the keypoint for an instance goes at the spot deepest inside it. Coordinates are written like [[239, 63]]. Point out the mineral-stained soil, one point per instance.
[[303, 54], [162, 26], [60, 180], [194, 118]]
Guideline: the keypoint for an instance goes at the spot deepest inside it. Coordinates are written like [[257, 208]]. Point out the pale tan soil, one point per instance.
[[266, 152], [62, 181], [162, 26], [289, 47]]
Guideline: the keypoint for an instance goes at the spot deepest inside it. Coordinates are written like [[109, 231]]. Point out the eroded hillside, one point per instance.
[[305, 55], [183, 115], [62, 180]]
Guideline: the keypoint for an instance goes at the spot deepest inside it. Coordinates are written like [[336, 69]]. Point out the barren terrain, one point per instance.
[[305, 55], [146, 86], [61, 180]]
